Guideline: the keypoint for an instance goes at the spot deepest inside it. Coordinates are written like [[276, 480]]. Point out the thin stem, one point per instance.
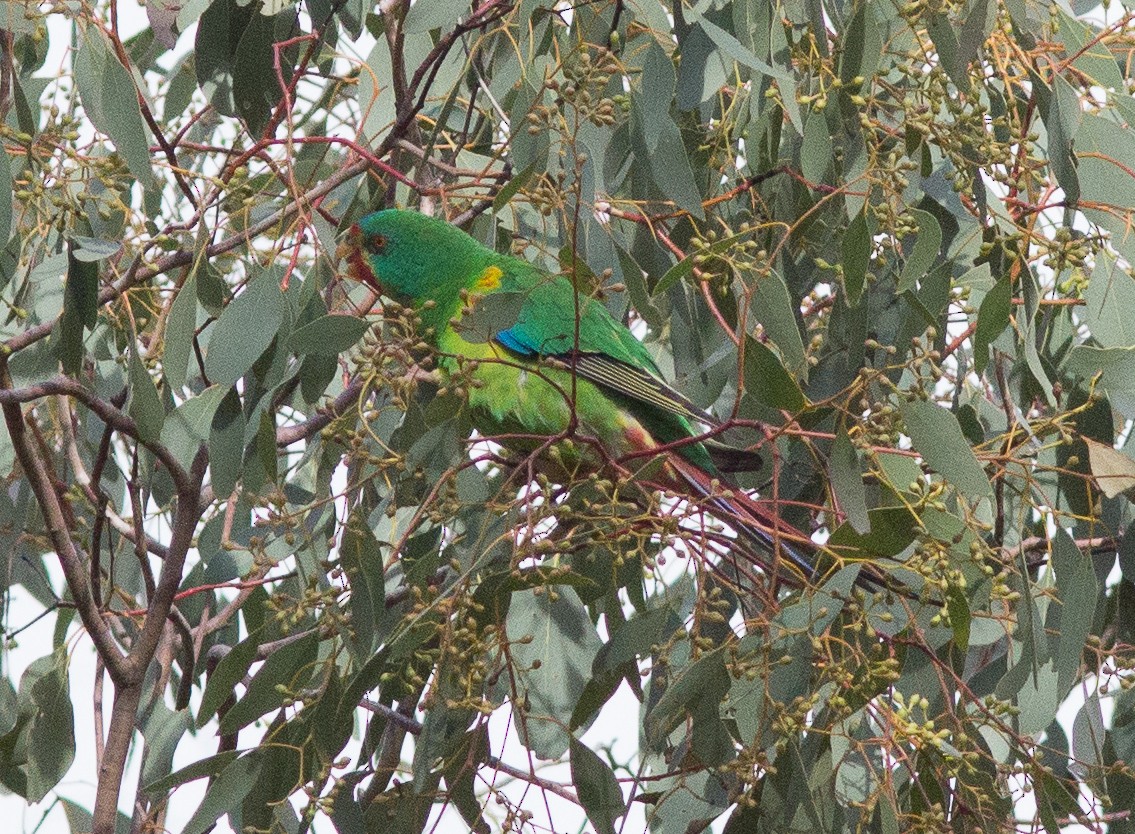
[[176, 260]]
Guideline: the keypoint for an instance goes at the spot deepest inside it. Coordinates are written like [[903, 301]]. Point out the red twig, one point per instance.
[[214, 586]]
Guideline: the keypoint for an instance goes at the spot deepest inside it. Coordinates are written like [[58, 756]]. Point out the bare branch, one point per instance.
[[54, 518], [302, 431], [185, 521], [118, 738], [107, 413]]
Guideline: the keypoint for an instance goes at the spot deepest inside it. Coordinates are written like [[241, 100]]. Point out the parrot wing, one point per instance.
[[601, 350]]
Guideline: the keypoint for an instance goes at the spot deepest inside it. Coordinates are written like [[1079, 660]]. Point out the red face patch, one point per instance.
[[358, 268]]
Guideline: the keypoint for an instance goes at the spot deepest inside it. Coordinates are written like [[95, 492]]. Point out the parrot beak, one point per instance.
[[350, 248], [348, 243]]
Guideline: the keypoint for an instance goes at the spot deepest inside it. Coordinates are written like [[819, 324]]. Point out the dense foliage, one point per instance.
[[889, 243]]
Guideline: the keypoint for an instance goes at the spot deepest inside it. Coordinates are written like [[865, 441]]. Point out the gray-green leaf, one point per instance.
[[244, 331], [937, 436], [111, 100]]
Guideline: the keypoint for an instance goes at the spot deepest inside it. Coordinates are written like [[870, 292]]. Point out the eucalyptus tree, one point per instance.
[[887, 245]]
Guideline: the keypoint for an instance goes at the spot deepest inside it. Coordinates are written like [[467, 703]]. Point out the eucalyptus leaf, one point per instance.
[[773, 307], [856, 255], [924, 252], [284, 671], [1078, 590], [226, 442], [433, 14], [847, 482], [145, 404], [92, 250], [328, 335], [244, 331], [816, 152], [111, 101], [938, 437], [50, 735], [768, 381], [597, 788], [1112, 469], [179, 336], [564, 642], [992, 319], [229, 789]]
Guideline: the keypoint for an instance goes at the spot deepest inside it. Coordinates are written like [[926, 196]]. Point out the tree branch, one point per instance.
[[302, 431], [107, 413], [175, 260], [54, 519], [118, 738], [185, 520]]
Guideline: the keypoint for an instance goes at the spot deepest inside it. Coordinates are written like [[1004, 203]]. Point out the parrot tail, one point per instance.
[[776, 546]]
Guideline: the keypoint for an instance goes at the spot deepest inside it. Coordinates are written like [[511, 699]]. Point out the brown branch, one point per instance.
[[302, 431], [121, 732], [103, 501], [127, 672], [959, 340], [110, 415], [532, 779], [134, 487], [1035, 548], [411, 726], [54, 519], [184, 526], [481, 17], [132, 670], [7, 71], [96, 709], [390, 748], [257, 579]]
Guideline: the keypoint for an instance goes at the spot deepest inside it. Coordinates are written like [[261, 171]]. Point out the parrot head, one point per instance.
[[408, 256]]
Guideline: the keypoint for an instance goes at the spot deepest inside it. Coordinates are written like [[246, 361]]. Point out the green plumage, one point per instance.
[[526, 384], [545, 353]]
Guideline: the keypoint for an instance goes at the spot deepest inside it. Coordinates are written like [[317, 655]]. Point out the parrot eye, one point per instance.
[[375, 243]]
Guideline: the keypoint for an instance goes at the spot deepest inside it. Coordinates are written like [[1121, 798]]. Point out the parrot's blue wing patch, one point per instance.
[[514, 341]]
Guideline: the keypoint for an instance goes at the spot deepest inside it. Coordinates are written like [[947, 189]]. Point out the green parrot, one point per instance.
[[563, 356]]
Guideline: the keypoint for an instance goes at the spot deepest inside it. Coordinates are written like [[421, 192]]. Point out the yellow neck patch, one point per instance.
[[488, 280]]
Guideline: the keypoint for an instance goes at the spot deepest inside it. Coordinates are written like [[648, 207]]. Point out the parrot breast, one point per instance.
[[521, 403]]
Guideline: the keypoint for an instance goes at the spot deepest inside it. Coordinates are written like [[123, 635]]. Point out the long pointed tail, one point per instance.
[[777, 547]]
